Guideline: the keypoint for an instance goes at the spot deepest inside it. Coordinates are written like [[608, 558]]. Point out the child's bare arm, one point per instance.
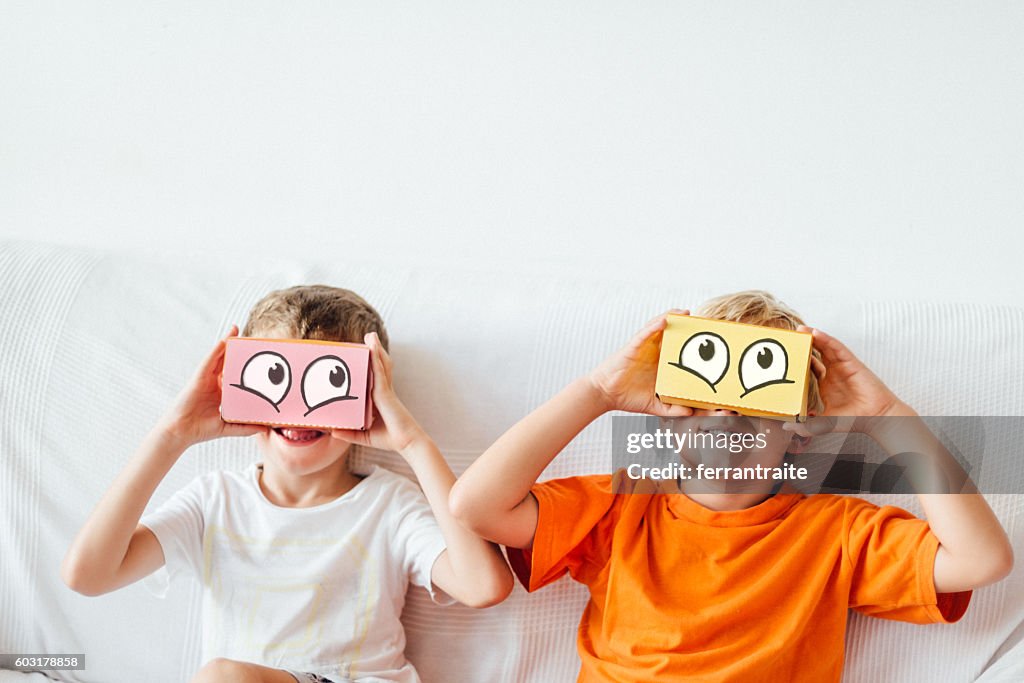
[[973, 548], [493, 496], [112, 549], [471, 570]]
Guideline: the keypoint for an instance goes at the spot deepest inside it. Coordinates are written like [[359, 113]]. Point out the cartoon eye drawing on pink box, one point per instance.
[[267, 375], [296, 382], [325, 381]]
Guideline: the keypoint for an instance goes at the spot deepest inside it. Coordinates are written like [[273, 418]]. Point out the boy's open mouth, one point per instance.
[[297, 436]]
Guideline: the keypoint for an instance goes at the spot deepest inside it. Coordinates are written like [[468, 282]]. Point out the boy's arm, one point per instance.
[[973, 548], [470, 569], [493, 496], [112, 549]]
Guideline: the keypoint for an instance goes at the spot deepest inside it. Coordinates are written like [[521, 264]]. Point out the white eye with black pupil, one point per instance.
[[325, 381], [705, 355], [763, 363], [267, 375]]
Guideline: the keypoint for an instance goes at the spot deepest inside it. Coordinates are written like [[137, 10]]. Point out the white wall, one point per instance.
[[851, 147]]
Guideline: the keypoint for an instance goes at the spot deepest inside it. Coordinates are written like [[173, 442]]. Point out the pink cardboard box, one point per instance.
[[296, 383]]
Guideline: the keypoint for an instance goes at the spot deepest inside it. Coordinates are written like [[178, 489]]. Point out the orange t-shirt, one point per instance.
[[682, 592]]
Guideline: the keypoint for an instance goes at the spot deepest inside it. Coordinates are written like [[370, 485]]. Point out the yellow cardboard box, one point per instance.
[[754, 370]]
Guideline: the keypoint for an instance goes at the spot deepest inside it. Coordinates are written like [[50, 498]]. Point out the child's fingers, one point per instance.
[[832, 350], [662, 409], [648, 332], [355, 436], [832, 347], [237, 429], [211, 364], [373, 341], [381, 368], [796, 428], [663, 317], [653, 321], [385, 357], [818, 368], [814, 426], [653, 326], [370, 339]]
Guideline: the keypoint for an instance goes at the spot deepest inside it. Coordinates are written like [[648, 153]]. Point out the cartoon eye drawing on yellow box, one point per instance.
[[763, 364], [697, 367], [706, 355]]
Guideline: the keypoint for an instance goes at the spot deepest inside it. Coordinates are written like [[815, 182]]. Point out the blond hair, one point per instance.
[[315, 312], [758, 307]]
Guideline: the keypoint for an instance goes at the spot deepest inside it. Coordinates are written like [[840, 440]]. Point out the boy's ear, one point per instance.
[[798, 443]]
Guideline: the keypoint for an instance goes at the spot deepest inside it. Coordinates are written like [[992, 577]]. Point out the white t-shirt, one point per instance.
[[317, 589]]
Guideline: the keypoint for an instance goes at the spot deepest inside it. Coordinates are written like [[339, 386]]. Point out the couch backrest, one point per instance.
[[95, 345]]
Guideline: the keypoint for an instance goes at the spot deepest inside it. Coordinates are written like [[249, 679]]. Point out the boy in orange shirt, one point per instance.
[[713, 585]]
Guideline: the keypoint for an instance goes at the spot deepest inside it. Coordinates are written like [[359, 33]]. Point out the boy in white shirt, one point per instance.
[[304, 565]]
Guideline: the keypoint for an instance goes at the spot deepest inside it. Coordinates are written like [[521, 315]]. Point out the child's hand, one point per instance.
[[625, 380], [394, 428], [852, 393], [195, 415]]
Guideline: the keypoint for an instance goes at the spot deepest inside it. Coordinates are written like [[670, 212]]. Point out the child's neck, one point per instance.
[[714, 497], [285, 489], [727, 502]]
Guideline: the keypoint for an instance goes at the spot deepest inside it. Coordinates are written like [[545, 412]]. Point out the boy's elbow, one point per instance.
[[491, 594], [1002, 563], [75, 581], [485, 602], [995, 566], [78, 579], [464, 507]]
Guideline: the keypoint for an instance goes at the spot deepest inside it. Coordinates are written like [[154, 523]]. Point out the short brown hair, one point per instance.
[[315, 312], [758, 307]]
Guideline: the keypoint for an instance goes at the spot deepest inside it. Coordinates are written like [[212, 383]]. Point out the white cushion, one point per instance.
[[96, 344]]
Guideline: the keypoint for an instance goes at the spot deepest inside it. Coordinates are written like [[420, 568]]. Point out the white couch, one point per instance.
[[95, 344]]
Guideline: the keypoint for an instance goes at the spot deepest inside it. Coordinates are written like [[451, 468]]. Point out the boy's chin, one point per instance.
[[298, 460], [300, 453], [722, 457]]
